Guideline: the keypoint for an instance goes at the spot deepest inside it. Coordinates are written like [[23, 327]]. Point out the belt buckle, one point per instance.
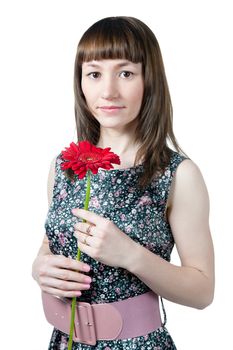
[[84, 327]]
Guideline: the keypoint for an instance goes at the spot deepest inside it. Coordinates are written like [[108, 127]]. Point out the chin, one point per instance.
[[109, 123]]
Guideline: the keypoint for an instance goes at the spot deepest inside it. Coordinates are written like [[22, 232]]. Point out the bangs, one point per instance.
[[111, 38]]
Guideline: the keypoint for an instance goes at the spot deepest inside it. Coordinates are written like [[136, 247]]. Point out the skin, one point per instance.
[[191, 283]]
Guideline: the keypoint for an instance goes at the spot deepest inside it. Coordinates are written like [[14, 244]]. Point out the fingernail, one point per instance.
[[87, 279], [75, 211], [86, 268], [87, 286]]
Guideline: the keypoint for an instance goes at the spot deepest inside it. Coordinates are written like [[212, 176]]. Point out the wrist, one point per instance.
[[44, 249], [134, 255]]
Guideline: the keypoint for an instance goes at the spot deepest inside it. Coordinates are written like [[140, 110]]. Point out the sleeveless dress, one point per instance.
[[138, 213]]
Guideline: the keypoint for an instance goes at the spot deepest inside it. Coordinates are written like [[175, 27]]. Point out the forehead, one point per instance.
[[110, 63]]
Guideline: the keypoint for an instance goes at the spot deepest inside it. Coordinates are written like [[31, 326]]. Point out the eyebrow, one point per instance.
[[119, 65]]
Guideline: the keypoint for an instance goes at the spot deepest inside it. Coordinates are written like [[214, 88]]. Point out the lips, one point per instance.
[[110, 107]]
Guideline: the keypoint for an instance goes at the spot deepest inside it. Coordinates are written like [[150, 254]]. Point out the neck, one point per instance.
[[121, 143]]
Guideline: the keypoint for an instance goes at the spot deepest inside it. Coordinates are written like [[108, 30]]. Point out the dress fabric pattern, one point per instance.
[[138, 213]]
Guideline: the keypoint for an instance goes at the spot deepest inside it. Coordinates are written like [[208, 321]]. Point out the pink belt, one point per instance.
[[122, 319]]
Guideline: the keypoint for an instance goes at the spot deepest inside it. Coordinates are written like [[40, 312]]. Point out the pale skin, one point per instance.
[[191, 283]]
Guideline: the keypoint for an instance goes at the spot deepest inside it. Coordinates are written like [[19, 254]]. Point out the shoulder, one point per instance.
[[175, 160], [55, 163], [51, 177], [183, 167], [188, 184], [187, 168], [55, 166], [188, 173]]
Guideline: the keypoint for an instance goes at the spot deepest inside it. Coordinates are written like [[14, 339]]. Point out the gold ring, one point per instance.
[[89, 229]]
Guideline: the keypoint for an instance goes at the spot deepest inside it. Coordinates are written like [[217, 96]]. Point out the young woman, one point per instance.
[[156, 197]]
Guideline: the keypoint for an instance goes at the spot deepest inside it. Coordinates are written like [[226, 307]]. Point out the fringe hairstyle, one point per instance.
[[129, 38]]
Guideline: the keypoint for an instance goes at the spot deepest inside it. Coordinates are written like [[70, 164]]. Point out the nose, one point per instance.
[[110, 89]]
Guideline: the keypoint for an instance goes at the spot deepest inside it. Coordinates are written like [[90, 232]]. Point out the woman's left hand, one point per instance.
[[102, 240]]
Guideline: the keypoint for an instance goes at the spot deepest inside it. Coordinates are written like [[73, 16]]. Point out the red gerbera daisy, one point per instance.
[[84, 156]]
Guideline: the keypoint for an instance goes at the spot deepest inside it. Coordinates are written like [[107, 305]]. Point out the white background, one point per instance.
[[38, 42]]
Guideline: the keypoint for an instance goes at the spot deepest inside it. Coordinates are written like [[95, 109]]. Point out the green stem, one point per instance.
[[73, 305]]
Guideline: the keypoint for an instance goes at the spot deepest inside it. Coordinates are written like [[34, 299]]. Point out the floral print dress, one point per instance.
[[138, 213]]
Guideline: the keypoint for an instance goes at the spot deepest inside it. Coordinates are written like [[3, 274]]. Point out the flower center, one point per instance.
[[89, 157]]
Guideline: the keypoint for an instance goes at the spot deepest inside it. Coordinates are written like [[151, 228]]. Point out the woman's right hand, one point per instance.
[[61, 276], [56, 274]]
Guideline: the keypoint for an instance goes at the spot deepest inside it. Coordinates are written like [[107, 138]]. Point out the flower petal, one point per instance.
[[84, 156]]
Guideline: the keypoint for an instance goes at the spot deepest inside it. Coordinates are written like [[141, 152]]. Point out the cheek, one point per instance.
[[84, 89], [136, 97], [88, 93]]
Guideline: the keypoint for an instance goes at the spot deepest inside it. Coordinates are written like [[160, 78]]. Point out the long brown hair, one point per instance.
[[131, 39]]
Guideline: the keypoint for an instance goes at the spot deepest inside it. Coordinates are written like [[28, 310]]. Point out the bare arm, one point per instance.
[[192, 283], [57, 274], [44, 249]]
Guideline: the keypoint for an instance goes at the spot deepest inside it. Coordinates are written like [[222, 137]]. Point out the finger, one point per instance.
[[86, 240], [86, 228], [70, 264], [62, 293], [90, 249], [88, 216], [82, 237], [64, 285], [69, 275]]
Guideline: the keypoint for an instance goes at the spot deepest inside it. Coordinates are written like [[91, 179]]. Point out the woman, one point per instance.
[[156, 197]]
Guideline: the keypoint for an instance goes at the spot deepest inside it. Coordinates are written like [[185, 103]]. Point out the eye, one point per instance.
[[126, 74], [94, 75]]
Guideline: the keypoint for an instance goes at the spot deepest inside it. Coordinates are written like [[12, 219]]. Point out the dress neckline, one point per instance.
[[122, 169]]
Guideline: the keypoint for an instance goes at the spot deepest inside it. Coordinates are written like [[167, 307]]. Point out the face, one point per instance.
[[113, 90]]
